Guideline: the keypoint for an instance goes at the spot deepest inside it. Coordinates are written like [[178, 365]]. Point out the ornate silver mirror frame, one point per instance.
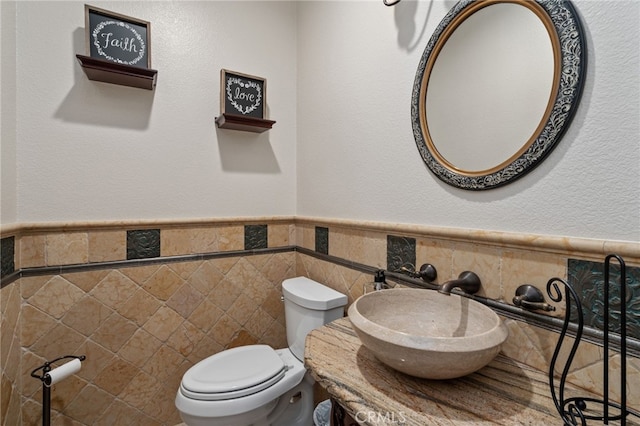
[[569, 51]]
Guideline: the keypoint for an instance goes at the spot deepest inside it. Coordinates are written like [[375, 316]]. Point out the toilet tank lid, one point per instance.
[[311, 294]]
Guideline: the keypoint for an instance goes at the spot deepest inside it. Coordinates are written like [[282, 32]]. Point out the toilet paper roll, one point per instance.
[[60, 373]]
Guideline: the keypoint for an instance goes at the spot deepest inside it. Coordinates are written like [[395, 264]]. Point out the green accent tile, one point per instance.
[[322, 240], [143, 244], [255, 237], [401, 251]]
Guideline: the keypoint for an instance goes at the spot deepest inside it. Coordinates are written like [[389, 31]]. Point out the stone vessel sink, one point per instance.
[[427, 334]]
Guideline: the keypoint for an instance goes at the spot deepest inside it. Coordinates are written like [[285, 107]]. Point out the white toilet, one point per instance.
[[256, 385]]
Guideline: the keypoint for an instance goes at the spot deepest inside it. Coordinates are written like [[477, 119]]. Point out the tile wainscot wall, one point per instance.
[[144, 301]]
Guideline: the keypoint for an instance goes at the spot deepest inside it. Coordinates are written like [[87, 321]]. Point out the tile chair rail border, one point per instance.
[[580, 246]]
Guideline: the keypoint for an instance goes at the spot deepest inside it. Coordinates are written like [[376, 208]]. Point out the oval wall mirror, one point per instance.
[[496, 88]]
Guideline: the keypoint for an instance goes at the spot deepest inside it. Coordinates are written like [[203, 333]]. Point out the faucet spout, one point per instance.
[[467, 281]]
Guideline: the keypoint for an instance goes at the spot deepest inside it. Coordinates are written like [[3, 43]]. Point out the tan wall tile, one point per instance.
[[60, 340], [139, 307], [437, 253], [86, 315], [188, 241], [278, 268], [484, 261], [162, 363], [341, 241], [67, 248], [115, 376], [230, 238], [185, 269], [114, 290], [278, 235], [139, 348], [119, 413], [185, 338], [163, 283], [526, 267], [226, 293], [97, 358], [258, 261], [366, 247], [210, 239], [206, 315], [163, 323], [206, 278], [185, 300], [10, 302], [10, 402], [140, 390], [292, 235], [259, 322], [32, 251], [242, 309], [10, 355], [521, 345], [90, 403], [275, 336], [56, 297], [30, 361], [35, 325], [242, 338], [31, 412], [66, 391], [30, 285], [224, 330], [86, 280], [306, 236], [12, 360], [107, 246], [114, 332]]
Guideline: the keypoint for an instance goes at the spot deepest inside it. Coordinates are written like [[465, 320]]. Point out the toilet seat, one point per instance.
[[204, 410], [233, 373]]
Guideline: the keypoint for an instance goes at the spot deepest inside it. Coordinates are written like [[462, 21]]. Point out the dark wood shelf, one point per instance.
[[241, 122], [112, 72]]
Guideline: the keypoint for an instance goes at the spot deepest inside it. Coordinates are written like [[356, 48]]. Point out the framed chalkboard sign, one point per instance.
[[117, 38], [242, 94]]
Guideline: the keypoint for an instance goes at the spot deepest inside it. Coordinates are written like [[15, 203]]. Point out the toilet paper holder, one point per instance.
[[48, 381]]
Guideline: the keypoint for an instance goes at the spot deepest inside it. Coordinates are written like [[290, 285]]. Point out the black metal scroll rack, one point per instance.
[[577, 410]]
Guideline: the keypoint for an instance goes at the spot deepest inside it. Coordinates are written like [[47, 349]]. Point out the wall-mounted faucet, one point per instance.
[[530, 297], [427, 272], [467, 281]]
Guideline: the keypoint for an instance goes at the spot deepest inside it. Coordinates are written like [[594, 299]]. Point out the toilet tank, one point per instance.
[[308, 305]]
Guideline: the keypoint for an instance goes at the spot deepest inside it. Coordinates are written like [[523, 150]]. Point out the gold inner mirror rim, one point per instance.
[[444, 37]]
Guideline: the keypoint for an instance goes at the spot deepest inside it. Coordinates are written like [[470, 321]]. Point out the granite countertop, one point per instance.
[[504, 392]]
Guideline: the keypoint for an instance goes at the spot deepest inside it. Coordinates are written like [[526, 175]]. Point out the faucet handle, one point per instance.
[[428, 272], [531, 298]]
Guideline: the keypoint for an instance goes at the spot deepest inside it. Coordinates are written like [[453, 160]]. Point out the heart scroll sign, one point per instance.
[[244, 95]]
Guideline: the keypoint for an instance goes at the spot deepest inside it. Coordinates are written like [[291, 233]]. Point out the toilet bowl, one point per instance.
[[256, 385]]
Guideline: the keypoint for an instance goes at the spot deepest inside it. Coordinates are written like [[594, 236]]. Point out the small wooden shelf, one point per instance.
[[241, 122], [112, 72]]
